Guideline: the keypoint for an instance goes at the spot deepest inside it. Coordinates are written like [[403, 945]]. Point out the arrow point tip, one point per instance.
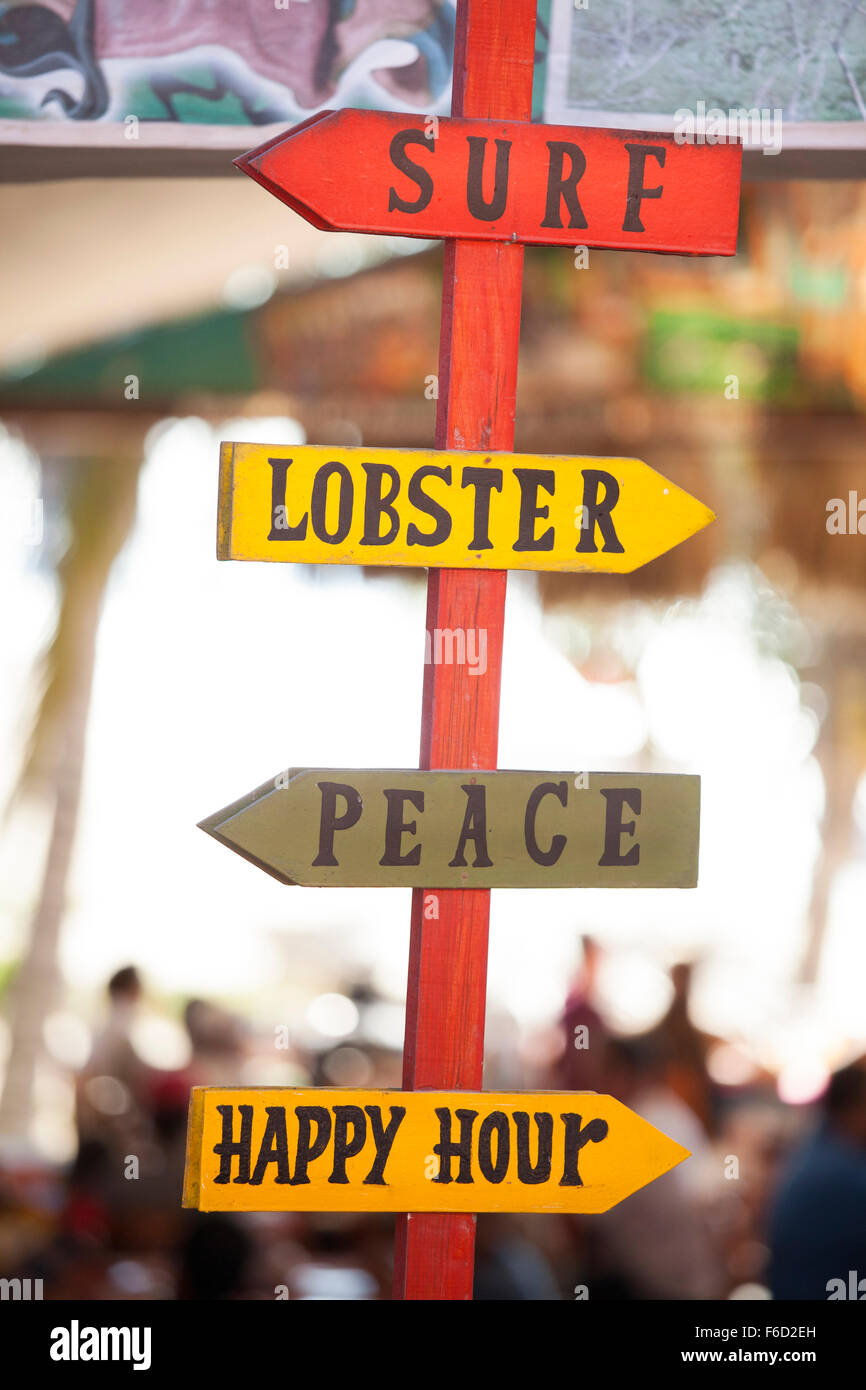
[[248, 162], [679, 1155]]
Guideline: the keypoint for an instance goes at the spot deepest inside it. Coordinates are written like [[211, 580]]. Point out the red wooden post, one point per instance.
[[444, 1046]]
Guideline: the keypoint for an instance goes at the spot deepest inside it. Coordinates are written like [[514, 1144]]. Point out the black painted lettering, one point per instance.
[[527, 1172], [396, 827], [637, 158], [564, 186], [310, 1149], [576, 1139], [423, 503], [615, 827], [416, 172], [377, 504], [496, 1122], [383, 1138], [319, 501], [492, 209], [474, 828], [280, 528], [530, 480], [460, 1148], [484, 481], [274, 1147], [598, 513], [346, 1118], [229, 1148], [330, 822], [557, 844]]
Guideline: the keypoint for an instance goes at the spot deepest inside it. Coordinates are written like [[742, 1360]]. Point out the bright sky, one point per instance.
[[213, 677]]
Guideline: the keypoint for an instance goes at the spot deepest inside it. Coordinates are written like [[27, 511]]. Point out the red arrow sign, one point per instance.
[[380, 171]]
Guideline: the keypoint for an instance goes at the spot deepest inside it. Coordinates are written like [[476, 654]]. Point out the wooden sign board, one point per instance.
[[385, 172], [274, 1149], [410, 829], [462, 510]]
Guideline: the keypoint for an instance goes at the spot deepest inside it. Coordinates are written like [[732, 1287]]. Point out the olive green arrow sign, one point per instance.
[[407, 829]]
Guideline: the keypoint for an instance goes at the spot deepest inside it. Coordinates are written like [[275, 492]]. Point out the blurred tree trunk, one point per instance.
[[841, 753], [100, 510]]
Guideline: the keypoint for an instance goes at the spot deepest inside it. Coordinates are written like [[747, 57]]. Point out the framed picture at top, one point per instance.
[[160, 87], [788, 77], [180, 86]]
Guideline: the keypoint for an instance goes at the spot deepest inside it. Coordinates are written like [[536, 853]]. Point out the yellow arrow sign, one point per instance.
[[274, 1149], [459, 510]]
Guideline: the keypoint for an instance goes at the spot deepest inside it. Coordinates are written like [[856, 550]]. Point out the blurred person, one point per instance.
[[684, 1049], [111, 1088], [214, 1258], [657, 1243], [509, 1266], [586, 1034], [818, 1219], [156, 1192], [217, 1043], [74, 1253], [85, 1214]]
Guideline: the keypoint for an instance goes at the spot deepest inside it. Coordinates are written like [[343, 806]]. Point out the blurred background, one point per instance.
[[143, 685]]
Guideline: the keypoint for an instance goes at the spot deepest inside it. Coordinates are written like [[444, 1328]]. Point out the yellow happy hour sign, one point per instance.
[[275, 1149], [358, 506]]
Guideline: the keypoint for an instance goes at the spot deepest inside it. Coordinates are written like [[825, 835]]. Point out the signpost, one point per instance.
[[504, 180], [486, 181], [272, 1149], [405, 829], [466, 509]]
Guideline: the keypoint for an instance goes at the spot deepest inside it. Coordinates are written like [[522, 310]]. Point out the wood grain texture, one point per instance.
[[447, 984], [404, 828], [192, 1166], [494, 180], [469, 509], [277, 1148]]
